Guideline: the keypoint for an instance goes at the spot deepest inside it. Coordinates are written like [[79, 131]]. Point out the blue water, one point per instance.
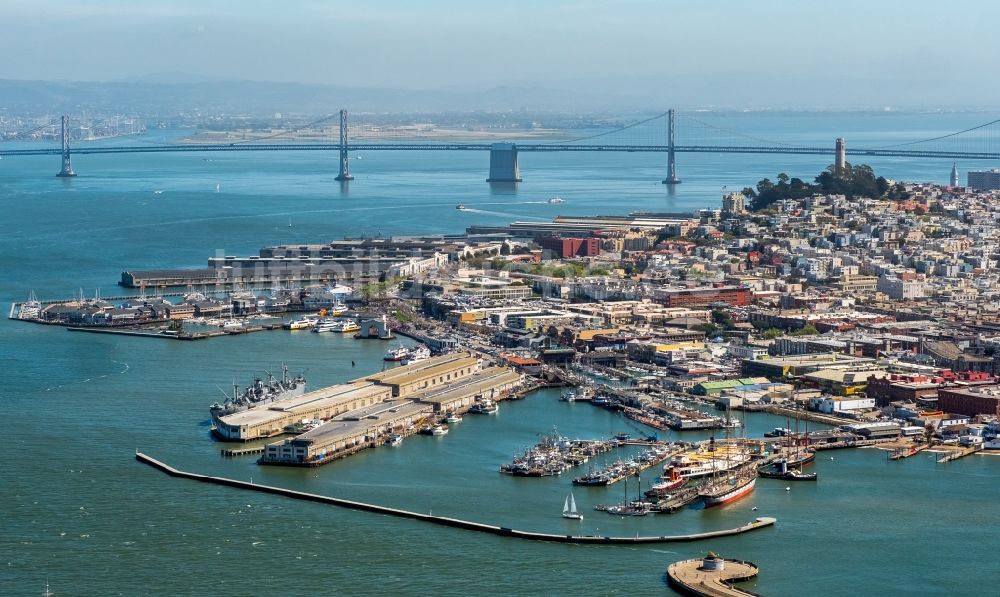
[[81, 514]]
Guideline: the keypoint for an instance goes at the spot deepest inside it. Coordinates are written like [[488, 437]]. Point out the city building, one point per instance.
[[984, 180]]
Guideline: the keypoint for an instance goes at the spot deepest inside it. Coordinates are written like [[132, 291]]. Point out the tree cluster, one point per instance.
[[854, 181]]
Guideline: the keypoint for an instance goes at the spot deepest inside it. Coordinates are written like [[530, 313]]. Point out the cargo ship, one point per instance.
[[258, 393]]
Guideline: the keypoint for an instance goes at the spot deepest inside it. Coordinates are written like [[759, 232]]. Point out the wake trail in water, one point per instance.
[[89, 379]]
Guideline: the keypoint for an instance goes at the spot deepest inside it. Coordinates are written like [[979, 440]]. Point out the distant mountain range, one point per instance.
[[169, 95]]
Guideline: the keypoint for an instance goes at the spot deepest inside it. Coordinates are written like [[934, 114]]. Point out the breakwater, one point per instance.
[[759, 523]]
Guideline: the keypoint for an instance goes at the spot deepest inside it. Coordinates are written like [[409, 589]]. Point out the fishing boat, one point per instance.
[[569, 508], [778, 432], [568, 396], [439, 430], [394, 440], [453, 418], [486, 407]]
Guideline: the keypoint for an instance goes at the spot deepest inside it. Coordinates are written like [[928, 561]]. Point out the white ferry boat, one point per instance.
[[396, 354], [344, 326], [419, 353], [301, 324]]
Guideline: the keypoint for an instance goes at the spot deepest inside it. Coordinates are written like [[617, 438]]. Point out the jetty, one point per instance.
[[959, 453], [906, 452], [759, 523], [711, 576]]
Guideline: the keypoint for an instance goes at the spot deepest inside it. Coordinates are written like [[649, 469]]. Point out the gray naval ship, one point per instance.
[[259, 393]]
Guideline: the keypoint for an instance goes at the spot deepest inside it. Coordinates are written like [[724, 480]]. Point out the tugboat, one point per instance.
[[780, 470]]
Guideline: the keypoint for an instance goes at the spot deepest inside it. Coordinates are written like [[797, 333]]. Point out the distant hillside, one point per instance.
[[170, 95]]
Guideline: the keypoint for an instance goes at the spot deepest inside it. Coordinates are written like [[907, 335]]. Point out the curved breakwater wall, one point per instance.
[[468, 525]]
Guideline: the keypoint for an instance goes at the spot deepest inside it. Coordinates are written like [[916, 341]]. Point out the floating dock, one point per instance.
[[759, 523], [711, 576]]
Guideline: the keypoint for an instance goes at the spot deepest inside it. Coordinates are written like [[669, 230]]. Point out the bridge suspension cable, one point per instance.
[[733, 133], [21, 134], [289, 131], [606, 133], [940, 137]]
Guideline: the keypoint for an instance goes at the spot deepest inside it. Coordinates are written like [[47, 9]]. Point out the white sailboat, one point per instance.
[[569, 508]]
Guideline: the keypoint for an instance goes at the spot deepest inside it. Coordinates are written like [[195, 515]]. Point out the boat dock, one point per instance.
[[554, 455], [900, 453], [756, 524], [955, 454], [234, 452], [618, 470], [152, 333], [711, 576]]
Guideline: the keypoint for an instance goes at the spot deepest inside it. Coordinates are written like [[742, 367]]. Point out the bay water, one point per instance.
[[79, 513]]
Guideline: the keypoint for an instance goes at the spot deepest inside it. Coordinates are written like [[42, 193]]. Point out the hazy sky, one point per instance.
[[783, 52]]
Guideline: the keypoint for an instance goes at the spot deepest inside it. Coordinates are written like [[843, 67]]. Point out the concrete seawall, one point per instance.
[[759, 523]]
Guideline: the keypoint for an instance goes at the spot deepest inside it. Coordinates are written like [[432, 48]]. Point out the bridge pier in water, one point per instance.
[[503, 163], [671, 178], [345, 164], [67, 164]]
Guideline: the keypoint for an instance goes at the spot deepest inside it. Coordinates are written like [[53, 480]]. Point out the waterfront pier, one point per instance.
[[711, 576]]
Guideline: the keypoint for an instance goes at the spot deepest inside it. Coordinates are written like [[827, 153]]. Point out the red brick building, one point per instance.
[[908, 388], [734, 296], [571, 247], [981, 400]]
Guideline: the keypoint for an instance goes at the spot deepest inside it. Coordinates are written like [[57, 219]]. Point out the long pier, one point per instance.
[[759, 523]]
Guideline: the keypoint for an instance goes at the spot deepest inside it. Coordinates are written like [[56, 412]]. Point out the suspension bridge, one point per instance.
[[656, 134]]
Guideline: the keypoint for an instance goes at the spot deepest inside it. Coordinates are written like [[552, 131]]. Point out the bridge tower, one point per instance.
[[345, 164], [840, 159], [503, 163], [671, 178], [67, 165]]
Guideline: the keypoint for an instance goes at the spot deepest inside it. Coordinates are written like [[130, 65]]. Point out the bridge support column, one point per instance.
[[671, 178], [67, 164], [503, 163], [345, 164]]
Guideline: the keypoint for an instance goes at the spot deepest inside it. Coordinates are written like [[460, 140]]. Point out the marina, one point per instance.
[[554, 455], [759, 523]]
